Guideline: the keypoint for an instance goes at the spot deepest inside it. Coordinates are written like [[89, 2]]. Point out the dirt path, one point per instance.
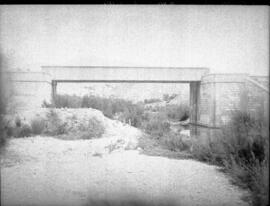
[[49, 171]]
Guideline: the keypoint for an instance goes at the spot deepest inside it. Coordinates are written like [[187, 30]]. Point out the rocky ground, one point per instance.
[[44, 170]]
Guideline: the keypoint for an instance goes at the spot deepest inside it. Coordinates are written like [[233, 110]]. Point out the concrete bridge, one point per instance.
[[213, 97]]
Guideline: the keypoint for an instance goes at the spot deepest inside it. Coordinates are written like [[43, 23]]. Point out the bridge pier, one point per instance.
[[54, 91], [194, 95]]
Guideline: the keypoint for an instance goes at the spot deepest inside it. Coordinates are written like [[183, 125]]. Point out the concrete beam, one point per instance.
[[125, 74]]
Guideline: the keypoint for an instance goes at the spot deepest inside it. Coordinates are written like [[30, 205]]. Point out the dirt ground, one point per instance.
[[49, 171]]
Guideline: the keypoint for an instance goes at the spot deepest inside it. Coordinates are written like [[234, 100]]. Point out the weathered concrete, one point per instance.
[[223, 94], [124, 74], [27, 89]]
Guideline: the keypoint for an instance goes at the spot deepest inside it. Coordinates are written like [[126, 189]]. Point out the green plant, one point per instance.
[[45, 104], [24, 131], [168, 98], [38, 125], [55, 126], [18, 122], [157, 126], [242, 148], [94, 129], [4, 133], [152, 100], [177, 112], [175, 142]]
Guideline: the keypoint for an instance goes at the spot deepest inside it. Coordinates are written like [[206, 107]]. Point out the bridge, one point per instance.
[[213, 97]]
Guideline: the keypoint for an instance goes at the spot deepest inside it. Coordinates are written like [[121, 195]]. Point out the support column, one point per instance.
[[194, 105], [54, 91]]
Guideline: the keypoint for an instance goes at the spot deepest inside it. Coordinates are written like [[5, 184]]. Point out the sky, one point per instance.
[[226, 39]]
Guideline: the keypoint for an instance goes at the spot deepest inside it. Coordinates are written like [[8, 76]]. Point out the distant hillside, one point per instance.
[[130, 91], [178, 100]]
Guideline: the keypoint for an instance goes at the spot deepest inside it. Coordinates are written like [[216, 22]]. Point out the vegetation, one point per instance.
[[242, 149], [176, 142], [53, 125], [167, 97], [38, 125], [92, 128], [152, 100], [126, 110], [154, 121]]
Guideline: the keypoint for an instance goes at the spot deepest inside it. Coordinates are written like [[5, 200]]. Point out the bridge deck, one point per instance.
[[124, 74]]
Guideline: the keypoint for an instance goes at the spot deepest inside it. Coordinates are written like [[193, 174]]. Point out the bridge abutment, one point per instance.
[[221, 96]]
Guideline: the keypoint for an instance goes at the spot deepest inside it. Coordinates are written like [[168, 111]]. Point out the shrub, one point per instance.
[[16, 129], [93, 129], [4, 133], [45, 104], [175, 142], [242, 148], [157, 126], [177, 112], [55, 126], [71, 129], [168, 98], [24, 131], [18, 122], [38, 125], [153, 100]]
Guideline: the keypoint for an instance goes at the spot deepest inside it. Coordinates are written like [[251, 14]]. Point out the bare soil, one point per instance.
[[50, 171]]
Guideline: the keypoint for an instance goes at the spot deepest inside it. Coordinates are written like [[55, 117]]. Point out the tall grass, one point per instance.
[[111, 107], [126, 111], [242, 149], [38, 125]]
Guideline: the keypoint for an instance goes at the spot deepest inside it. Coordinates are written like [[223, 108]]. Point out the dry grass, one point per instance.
[[53, 125], [38, 125], [92, 128], [242, 149]]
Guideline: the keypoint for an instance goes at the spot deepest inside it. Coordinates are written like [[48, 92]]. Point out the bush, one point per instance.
[[55, 126], [242, 148], [71, 129], [45, 104], [4, 134], [168, 98], [16, 129], [157, 126], [93, 129], [38, 125], [18, 122], [23, 131], [175, 142], [153, 100], [177, 112]]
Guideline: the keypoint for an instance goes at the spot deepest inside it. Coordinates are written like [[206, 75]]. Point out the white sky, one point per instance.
[[226, 39]]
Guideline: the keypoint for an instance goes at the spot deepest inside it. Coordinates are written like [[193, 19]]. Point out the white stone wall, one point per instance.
[[28, 90]]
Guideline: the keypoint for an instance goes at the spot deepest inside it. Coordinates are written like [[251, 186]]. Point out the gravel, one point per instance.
[[49, 171]]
